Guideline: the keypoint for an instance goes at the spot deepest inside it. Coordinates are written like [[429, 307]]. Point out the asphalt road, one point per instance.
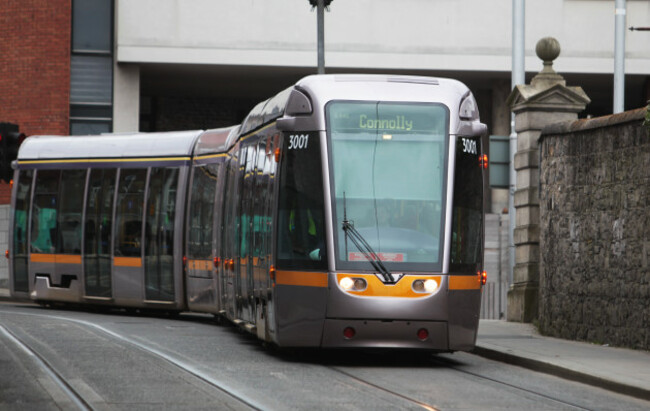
[[67, 359]]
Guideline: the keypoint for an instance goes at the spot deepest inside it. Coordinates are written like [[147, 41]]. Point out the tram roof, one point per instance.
[[216, 140], [395, 88], [383, 87], [175, 143], [322, 89]]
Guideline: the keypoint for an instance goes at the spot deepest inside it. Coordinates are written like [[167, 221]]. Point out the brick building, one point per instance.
[[35, 68], [93, 66]]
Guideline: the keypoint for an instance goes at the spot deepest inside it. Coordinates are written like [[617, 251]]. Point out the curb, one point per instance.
[[5, 295], [562, 372]]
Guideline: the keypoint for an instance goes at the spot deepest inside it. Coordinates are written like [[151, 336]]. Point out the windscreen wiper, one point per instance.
[[365, 248]]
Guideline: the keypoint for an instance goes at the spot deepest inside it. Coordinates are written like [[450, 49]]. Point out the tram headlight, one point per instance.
[[360, 284], [353, 284], [425, 286], [347, 283], [431, 286]]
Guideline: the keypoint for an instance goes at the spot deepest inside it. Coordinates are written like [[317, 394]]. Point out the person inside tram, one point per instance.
[[304, 224]]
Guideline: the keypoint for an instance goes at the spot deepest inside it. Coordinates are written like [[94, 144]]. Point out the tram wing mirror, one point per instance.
[[286, 123], [479, 128], [298, 104], [472, 128], [296, 123]]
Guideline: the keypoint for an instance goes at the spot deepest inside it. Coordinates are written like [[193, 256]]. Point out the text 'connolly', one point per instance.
[[397, 123]]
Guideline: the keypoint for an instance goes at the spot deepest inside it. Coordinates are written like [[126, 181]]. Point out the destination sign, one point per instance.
[[388, 117], [396, 123]]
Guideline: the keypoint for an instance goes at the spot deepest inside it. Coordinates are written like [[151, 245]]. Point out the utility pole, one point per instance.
[[619, 56], [320, 27], [518, 77]]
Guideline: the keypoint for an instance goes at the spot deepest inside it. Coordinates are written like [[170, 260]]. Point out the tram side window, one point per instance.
[[128, 221], [301, 236], [99, 221], [467, 220], [159, 234], [260, 220], [69, 217], [202, 211], [246, 201], [23, 197], [44, 212]]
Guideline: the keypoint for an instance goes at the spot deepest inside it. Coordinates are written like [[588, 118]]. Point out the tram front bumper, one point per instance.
[[342, 333]]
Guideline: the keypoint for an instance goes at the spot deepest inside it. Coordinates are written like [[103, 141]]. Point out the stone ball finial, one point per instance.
[[548, 49]]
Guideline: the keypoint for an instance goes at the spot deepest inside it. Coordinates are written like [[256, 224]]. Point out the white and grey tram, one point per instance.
[[346, 211]]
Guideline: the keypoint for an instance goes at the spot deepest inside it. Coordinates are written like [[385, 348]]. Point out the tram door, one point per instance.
[[127, 252], [97, 232], [20, 244], [246, 279], [229, 233], [56, 229], [159, 234], [261, 237], [467, 239]]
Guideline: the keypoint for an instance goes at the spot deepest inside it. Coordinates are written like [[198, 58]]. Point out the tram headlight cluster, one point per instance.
[[425, 286], [353, 284]]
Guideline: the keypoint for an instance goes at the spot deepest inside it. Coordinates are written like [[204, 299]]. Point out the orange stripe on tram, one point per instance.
[[55, 258], [376, 288], [301, 278], [127, 262], [464, 282], [205, 265]]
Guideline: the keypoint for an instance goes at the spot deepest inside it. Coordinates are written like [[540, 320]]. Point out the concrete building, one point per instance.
[[77, 67], [169, 64], [74, 67]]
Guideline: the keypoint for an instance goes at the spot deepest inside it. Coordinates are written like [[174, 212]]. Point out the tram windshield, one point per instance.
[[388, 163]]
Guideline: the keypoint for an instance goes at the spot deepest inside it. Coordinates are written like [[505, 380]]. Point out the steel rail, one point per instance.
[[189, 368], [452, 366], [424, 405], [51, 372]]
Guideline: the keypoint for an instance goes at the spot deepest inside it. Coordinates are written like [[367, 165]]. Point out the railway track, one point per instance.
[[491, 380], [550, 401], [43, 365], [75, 398], [263, 379]]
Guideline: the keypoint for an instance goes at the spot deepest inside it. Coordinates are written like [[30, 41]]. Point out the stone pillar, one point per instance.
[[546, 100]]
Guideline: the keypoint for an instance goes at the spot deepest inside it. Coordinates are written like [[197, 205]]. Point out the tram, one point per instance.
[[345, 211]]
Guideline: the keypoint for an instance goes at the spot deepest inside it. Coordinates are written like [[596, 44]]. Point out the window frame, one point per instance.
[[437, 266]]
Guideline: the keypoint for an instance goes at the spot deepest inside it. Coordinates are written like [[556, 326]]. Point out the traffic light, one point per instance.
[[10, 139]]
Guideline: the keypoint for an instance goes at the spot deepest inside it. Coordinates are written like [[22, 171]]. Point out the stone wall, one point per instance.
[[595, 230]]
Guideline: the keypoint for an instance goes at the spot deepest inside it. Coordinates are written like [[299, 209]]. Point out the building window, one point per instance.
[[91, 67]]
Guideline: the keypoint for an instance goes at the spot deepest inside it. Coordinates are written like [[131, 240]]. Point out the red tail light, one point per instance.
[[423, 334], [349, 333], [483, 161], [277, 154], [482, 277]]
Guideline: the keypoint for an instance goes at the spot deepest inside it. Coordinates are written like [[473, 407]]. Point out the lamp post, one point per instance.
[[518, 78], [320, 11], [619, 56]]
